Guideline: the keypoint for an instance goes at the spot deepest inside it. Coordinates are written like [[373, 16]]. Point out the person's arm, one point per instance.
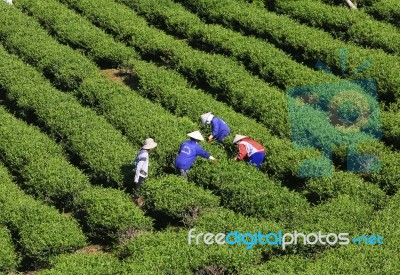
[[201, 152], [242, 152]]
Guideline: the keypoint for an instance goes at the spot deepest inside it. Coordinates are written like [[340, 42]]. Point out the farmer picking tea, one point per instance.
[[249, 150], [188, 152], [220, 129]]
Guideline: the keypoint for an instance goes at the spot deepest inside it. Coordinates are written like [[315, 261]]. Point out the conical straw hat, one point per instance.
[[206, 118], [196, 135], [238, 137]]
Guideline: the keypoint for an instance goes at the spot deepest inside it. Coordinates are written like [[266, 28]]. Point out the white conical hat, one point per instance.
[[149, 144], [238, 137], [196, 135], [205, 118]]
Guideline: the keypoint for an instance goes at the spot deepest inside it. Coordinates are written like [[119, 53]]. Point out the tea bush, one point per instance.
[[8, 256], [386, 10], [42, 231], [81, 263], [357, 27], [47, 175], [176, 197]]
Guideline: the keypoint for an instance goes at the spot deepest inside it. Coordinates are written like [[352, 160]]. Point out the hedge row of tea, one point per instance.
[[143, 254], [82, 131], [168, 85], [39, 230], [341, 22], [353, 258], [119, 114], [171, 90], [177, 205], [318, 130], [266, 60], [8, 256], [386, 10], [169, 252], [377, 197], [305, 43], [46, 174], [161, 252], [173, 79], [262, 22], [177, 213], [122, 108], [185, 203], [222, 76], [386, 161], [270, 62], [81, 263], [279, 69], [376, 194], [144, 69]]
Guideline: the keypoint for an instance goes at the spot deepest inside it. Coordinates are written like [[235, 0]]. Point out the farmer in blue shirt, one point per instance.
[[220, 129], [188, 152]]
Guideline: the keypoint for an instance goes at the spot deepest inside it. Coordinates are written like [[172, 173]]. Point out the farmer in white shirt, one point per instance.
[[9, 1], [142, 162]]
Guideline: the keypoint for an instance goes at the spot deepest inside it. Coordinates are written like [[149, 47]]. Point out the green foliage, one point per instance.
[[19, 32], [116, 102], [368, 259], [353, 259], [124, 109], [41, 230], [287, 264], [224, 77], [350, 259], [307, 43], [190, 26], [224, 220], [172, 91], [175, 197], [39, 162], [340, 214], [98, 145], [8, 256], [248, 192], [343, 184], [176, 103], [80, 263], [386, 10], [109, 212], [343, 22], [241, 187], [360, 3], [271, 63], [169, 253], [94, 44], [312, 44], [388, 176], [130, 113]]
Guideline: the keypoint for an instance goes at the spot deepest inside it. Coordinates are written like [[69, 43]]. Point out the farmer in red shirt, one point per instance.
[[249, 150]]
